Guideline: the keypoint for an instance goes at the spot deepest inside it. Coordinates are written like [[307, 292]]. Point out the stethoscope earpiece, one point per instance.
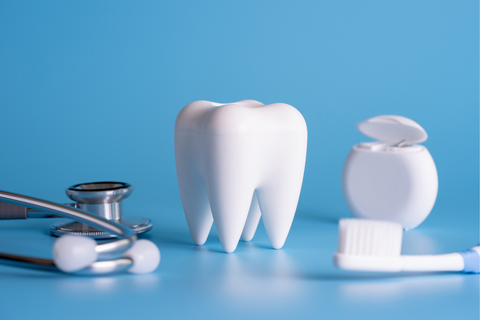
[[73, 253]]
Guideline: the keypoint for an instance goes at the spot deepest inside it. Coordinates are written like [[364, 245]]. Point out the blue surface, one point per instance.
[[90, 90]]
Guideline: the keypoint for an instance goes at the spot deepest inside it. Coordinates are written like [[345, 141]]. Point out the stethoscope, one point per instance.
[[97, 214]]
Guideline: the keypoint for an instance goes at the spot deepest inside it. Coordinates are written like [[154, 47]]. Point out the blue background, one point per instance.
[[89, 91]]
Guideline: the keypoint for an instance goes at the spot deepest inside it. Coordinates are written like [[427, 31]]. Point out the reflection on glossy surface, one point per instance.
[[243, 279], [84, 285], [396, 287], [252, 274]]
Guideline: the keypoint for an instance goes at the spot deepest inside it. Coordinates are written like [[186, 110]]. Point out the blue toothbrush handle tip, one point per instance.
[[471, 259]]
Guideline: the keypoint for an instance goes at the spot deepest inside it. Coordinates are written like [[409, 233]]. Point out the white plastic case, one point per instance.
[[391, 179]]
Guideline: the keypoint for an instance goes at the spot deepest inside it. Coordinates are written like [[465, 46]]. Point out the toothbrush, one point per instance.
[[372, 245]]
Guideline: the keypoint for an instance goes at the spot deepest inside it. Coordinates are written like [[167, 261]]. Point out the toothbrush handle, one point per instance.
[[466, 261], [439, 262]]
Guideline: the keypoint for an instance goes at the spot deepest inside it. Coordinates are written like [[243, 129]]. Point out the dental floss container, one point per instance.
[[393, 178]]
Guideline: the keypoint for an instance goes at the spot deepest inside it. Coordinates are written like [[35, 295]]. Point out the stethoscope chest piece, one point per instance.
[[103, 199]]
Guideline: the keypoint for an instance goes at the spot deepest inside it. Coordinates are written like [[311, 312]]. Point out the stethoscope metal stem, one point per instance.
[[96, 268], [104, 267]]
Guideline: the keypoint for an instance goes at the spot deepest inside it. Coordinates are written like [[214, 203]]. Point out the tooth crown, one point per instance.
[[243, 117], [236, 162]]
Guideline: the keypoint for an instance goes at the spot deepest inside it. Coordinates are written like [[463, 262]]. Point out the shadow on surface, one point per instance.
[[374, 276]]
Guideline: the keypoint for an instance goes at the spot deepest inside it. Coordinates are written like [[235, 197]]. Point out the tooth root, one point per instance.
[[193, 191], [278, 210], [230, 198], [230, 210], [197, 210], [278, 198], [252, 220]]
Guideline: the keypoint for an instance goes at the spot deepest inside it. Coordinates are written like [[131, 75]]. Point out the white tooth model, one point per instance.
[[237, 162], [391, 179]]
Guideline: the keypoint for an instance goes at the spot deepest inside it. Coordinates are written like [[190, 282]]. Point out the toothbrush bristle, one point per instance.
[[369, 237]]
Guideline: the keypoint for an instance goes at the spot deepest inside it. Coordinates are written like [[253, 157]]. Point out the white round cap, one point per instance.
[[392, 129], [145, 256], [73, 253]]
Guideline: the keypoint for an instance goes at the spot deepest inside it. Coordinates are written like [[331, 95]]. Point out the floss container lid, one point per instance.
[[392, 129]]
